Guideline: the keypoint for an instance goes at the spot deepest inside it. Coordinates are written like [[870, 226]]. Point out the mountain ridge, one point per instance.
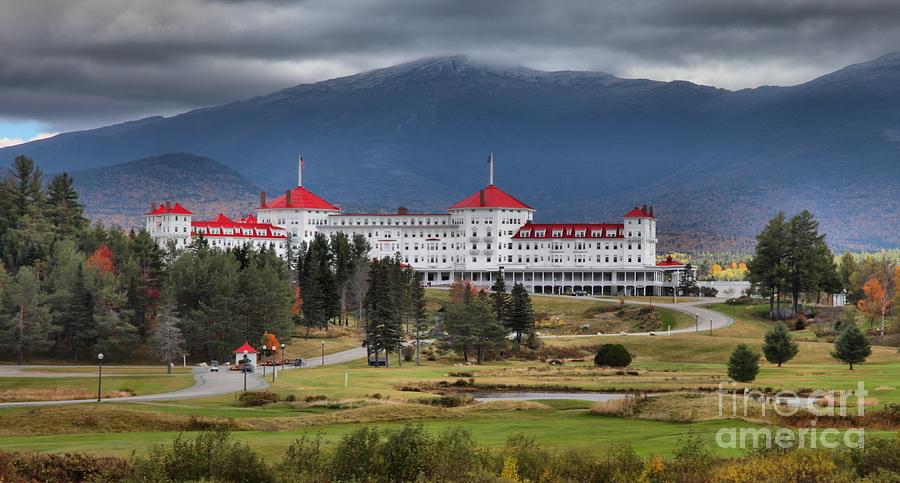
[[579, 146]]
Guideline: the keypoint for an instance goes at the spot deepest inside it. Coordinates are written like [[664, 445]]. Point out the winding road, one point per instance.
[[208, 384]]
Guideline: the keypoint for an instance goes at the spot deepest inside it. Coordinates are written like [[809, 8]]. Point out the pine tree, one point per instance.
[[743, 365], [63, 208], [500, 299], [488, 333], [779, 347], [851, 346], [166, 337], [521, 313], [766, 270], [25, 322], [383, 323], [460, 329], [418, 310]]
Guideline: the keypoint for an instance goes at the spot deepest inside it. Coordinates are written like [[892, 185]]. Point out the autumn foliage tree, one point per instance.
[[102, 260], [875, 302]]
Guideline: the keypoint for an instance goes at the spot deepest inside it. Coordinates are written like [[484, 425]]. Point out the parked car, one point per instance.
[[213, 366], [247, 368], [579, 293], [298, 362]]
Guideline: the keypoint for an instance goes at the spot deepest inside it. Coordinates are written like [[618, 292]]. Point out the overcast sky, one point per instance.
[[74, 64]]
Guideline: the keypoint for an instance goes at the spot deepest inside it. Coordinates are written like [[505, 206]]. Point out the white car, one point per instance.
[[214, 366]]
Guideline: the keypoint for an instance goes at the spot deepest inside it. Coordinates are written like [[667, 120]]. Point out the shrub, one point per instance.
[[799, 324], [257, 398], [779, 347], [290, 398], [304, 461], [446, 401], [408, 353], [851, 346], [211, 456], [743, 365], [612, 355], [66, 467]]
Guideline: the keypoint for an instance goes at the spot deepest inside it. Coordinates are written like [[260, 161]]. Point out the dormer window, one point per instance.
[[557, 233]]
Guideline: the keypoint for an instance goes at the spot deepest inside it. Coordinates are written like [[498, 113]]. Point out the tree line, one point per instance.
[[69, 289]]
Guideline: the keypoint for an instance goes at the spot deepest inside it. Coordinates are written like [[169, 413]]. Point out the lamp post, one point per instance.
[[323, 353], [274, 352], [263, 362], [282, 357], [245, 361], [99, 375]]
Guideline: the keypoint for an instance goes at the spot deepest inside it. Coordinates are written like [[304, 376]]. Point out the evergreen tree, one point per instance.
[[343, 268], [25, 322], [383, 331], [166, 337], [743, 365], [488, 333], [779, 347], [63, 209], [460, 329], [79, 330], [500, 299], [521, 313], [688, 282], [851, 346], [418, 310], [846, 270], [766, 270]]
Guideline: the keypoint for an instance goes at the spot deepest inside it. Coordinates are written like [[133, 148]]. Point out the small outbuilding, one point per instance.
[[250, 352]]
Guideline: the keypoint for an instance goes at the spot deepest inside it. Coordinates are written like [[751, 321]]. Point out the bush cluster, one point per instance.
[[412, 454], [612, 355], [257, 398]]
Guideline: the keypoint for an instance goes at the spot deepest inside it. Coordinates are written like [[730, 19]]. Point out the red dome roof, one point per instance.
[[669, 262], [246, 347], [301, 198], [175, 209], [639, 212], [491, 197]]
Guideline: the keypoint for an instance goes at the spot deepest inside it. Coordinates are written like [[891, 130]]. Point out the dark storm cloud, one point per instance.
[[76, 63]]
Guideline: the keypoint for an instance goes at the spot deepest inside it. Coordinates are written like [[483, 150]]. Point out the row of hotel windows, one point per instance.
[[527, 259], [556, 246]]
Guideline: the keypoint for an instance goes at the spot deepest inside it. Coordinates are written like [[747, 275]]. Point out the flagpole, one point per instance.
[[300, 170], [492, 169]]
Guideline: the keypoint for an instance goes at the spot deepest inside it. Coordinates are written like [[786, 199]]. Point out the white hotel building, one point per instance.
[[488, 232]]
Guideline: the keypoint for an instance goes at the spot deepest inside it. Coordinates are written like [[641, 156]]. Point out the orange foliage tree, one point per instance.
[[460, 290], [876, 301], [102, 260]]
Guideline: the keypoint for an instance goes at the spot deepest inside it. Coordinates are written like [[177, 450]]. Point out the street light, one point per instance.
[[323, 353], [263, 363], [245, 361], [274, 352], [99, 375], [282, 357]]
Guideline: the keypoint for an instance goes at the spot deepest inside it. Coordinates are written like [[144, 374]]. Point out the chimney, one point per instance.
[[168, 205], [481, 198], [402, 210], [262, 199], [651, 210], [287, 198], [644, 209], [152, 206]]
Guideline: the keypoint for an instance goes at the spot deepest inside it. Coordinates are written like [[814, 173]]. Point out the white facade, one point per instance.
[[486, 233]]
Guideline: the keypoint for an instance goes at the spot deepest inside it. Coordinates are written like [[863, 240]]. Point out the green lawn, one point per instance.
[[20, 388]]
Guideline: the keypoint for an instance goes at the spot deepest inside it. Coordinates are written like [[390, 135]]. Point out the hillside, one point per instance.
[[578, 146], [120, 194]]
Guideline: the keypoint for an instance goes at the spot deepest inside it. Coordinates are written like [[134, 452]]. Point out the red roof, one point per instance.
[[491, 197], [206, 228], [175, 209], [639, 212], [246, 347], [669, 262], [570, 230], [301, 198]]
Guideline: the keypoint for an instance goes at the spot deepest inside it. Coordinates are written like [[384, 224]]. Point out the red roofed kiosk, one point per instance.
[[239, 354]]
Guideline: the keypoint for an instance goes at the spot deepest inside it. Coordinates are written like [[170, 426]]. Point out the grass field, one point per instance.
[[354, 395], [52, 388], [129, 370]]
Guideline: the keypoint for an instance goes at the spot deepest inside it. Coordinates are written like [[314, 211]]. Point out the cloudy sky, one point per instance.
[[75, 64]]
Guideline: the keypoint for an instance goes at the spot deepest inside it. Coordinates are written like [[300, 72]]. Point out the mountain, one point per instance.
[[121, 193], [578, 146]]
